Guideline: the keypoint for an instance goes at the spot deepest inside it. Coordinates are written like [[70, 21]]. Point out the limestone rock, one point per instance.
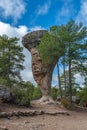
[[32, 39], [5, 93], [31, 113], [42, 73]]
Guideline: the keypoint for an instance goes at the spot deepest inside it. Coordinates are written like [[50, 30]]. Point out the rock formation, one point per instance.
[[5, 94], [42, 73]]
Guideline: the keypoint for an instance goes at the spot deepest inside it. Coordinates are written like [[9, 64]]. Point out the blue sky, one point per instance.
[[17, 17], [44, 13]]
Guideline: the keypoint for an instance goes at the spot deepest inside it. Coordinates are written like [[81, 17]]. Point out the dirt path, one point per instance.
[[76, 120]]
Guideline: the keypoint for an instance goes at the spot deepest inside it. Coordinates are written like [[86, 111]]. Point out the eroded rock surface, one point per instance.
[[32, 39], [42, 73]]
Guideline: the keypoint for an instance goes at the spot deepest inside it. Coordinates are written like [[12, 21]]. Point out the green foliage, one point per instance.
[[65, 102], [11, 60], [36, 93], [21, 96], [50, 48], [29, 87], [75, 86], [23, 93], [83, 96], [76, 43], [54, 93], [75, 37], [85, 83], [3, 81], [68, 42]]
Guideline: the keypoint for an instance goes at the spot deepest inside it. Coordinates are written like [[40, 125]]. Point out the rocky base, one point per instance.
[[30, 113], [46, 100]]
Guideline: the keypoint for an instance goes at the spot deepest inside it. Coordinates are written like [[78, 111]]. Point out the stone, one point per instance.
[[32, 39], [5, 94], [31, 113], [3, 128], [76, 99], [42, 73]]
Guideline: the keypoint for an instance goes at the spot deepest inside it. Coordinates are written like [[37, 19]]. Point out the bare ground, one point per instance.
[[75, 121]]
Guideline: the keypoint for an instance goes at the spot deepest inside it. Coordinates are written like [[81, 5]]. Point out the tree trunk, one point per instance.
[[70, 80], [59, 82], [64, 79], [70, 83]]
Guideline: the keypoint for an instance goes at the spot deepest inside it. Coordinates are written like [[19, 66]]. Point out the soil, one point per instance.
[[75, 121]]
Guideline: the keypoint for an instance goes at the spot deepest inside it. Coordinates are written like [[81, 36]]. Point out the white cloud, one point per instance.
[[82, 14], [79, 79], [43, 9], [66, 12], [36, 28], [12, 31], [28, 76], [12, 8], [19, 32]]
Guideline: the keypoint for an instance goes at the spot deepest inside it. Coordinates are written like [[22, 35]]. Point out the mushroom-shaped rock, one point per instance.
[[42, 73], [32, 39]]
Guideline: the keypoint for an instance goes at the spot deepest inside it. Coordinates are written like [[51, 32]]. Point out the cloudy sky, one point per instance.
[[17, 17]]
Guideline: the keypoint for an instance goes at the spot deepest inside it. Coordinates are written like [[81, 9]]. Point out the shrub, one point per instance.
[[83, 96], [36, 93], [21, 96], [54, 93], [65, 102]]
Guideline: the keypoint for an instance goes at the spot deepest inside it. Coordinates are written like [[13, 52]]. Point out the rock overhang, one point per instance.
[[32, 39]]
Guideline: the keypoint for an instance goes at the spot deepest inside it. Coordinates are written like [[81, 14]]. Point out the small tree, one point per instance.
[[11, 60]]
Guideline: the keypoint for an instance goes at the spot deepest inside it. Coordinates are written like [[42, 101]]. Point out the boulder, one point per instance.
[[5, 94]]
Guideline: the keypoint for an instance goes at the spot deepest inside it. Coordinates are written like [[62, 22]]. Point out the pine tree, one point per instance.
[[75, 38], [11, 59]]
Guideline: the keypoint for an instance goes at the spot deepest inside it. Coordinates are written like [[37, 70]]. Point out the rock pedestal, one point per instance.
[[42, 73]]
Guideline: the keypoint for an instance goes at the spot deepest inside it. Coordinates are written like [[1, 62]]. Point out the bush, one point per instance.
[[21, 96], [36, 93], [23, 93], [54, 93], [83, 96], [25, 101], [65, 102]]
